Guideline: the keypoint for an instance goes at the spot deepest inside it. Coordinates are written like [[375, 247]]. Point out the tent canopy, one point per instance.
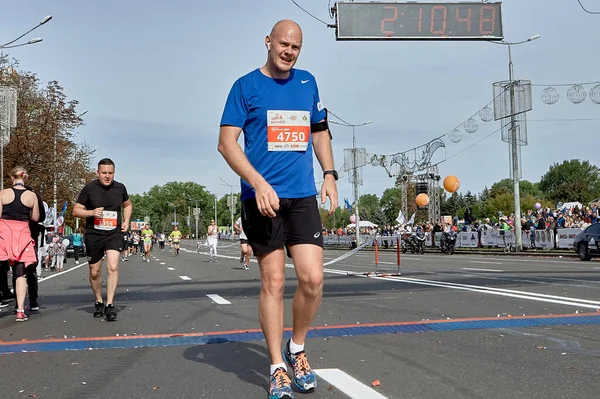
[[363, 223]]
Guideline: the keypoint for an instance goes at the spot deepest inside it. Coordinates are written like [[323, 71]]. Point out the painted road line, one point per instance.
[[170, 268], [61, 273], [218, 299], [532, 296], [569, 301], [341, 331], [348, 384], [486, 262], [584, 303], [162, 263], [186, 278], [481, 270]]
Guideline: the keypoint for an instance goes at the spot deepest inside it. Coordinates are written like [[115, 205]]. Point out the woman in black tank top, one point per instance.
[[18, 207]]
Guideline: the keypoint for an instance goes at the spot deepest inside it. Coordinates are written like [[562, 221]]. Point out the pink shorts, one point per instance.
[[16, 244]]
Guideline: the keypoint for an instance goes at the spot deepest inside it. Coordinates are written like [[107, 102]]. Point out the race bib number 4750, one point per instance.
[[108, 221], [288, 130]]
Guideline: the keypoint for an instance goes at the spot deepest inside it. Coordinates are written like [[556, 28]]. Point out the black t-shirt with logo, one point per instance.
[[111, 198]]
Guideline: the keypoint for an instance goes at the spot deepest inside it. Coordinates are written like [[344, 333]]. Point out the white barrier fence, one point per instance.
[[543, 239]]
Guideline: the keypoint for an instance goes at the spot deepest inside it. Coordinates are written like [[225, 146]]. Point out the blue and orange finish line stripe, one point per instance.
[[218, 337]]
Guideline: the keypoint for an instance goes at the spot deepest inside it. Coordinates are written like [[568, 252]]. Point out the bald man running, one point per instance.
[[279, 110]]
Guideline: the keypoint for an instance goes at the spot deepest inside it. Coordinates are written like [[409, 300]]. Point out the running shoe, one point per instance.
[[99, 309], [242, 259], [280, 385], [246, 267], [4, 304], [109, 313], [34, 306], [304, 378], [21, 316]]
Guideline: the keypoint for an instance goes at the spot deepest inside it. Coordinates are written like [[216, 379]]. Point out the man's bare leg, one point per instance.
[[112, 280], [270, 301], [96, 280], [308, 263]]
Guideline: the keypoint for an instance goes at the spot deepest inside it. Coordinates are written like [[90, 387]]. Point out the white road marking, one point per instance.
[[184, 278], [532, 296], [218, 299], [170, 268], [162, 263], [480, 270], [487, 263], [61, 273], [348, 384]]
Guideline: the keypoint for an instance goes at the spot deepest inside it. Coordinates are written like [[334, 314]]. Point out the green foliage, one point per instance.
[[340, 218], [178, 199], [368, 207], [506, 186], [572, 180], [390, 203]]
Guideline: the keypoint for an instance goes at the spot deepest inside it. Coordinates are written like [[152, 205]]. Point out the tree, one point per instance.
[[507, 186], [368, 206], [340, 218], [45, 117], [175, 199], [390, 203], [572, 180]]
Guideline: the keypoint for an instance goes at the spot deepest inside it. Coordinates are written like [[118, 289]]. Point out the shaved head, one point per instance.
[[283, 46], [284, 27]]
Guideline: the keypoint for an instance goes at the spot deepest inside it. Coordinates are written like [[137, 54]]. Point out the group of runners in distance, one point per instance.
[[278, 109], [146, 239]]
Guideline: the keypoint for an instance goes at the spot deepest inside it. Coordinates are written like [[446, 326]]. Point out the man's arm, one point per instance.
[[79, 211], [324, 154], [266, 198], [127, 210]]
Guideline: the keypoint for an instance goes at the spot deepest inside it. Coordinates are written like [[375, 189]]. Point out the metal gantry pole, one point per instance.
[[54, 184], [355, 184], [515, 155], [216, 221], [197, 214], [231, 205]]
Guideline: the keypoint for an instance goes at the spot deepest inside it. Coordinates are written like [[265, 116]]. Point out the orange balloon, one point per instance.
[[422, 200], [451, 184]]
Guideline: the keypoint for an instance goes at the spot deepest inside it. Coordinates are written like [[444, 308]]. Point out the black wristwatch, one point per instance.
[[334, 173]]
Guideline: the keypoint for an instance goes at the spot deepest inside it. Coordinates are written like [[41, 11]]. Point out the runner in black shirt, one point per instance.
[[100, 204]]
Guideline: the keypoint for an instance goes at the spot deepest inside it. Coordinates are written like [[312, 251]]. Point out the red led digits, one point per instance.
[[467, 20], [491, 20], [444, 11], [384, 20]]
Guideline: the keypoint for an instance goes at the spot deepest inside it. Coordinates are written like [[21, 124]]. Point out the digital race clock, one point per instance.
[[418, 21]]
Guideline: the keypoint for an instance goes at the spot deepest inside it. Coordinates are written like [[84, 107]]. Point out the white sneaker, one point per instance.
[[76, 262], [148, 260]]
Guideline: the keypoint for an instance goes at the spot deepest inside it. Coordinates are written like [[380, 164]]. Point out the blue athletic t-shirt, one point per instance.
[[254, 103]]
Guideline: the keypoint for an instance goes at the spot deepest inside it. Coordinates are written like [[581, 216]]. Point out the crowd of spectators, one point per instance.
[[531, 221]]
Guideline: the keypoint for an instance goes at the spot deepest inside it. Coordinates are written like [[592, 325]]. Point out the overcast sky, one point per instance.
[[154, 77]]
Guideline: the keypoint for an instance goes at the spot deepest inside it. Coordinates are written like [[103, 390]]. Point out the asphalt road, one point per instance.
[[448, 327]]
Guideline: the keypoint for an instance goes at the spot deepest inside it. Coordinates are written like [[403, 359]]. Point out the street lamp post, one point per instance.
[[174, 212], [514, 147], [196, 213], [231, 204], [216, 221], [55, 170], [32, 41], [8, 45], [354, 173]]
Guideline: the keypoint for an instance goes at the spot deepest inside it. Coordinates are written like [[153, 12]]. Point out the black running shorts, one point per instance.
[[96, 245], [297, 222], [243, 241]]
